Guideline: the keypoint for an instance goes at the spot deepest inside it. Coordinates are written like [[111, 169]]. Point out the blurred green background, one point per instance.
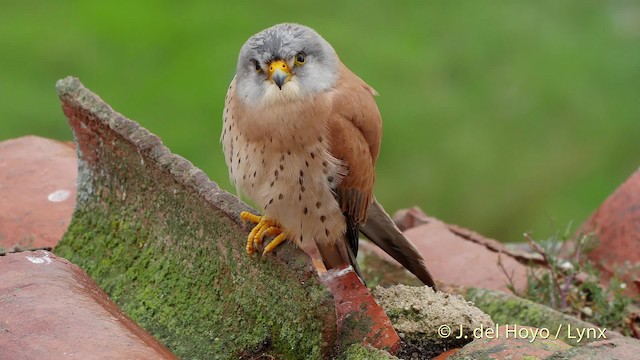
[[501, 116]]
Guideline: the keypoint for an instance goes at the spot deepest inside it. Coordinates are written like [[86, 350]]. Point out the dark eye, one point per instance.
[[257, 64], [300, 58]]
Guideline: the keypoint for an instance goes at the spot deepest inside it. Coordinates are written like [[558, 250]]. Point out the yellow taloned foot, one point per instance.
[[247, 216], [250, 247], [258, 238], [274, 243], [266, 231], [264, 227]]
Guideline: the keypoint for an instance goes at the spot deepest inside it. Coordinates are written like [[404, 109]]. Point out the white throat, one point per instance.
[[273, 94]]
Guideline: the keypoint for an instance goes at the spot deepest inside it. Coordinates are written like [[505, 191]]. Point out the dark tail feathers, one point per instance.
[[382, 231]]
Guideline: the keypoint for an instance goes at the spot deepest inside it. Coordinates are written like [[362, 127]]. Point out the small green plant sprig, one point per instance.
[[569, 282]]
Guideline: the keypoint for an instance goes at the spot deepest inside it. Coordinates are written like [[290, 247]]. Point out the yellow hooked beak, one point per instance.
[[279, 72]]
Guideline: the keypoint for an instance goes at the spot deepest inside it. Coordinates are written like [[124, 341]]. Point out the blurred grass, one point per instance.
[[500, 116]]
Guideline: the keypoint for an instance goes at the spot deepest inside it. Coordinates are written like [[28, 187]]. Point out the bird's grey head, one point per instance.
[[285, 62]]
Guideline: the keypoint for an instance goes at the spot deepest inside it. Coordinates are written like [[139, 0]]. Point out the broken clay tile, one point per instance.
[[359, 317], [37, 192], [616, 225], [168, 244], [51, 309], [609, 349], [409, 218], [511, 342], [457, 261], [447, 354], [413, 217], [454, 260], [510, 309]]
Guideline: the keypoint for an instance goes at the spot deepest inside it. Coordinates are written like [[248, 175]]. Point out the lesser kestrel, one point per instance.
[[301, 135]]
